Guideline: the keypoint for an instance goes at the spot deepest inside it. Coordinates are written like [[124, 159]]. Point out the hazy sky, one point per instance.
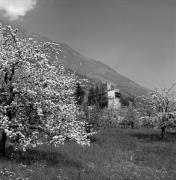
[[135, 37]]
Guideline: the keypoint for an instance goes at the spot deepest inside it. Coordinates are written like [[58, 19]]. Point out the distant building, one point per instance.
[[113, 95]]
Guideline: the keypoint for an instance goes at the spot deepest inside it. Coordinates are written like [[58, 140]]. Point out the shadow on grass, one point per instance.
[[51, 159], [155, 137]]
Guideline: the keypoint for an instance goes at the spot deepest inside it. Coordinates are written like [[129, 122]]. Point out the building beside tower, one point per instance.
[[113, 95]]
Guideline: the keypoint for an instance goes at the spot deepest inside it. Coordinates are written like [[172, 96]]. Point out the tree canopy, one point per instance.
[[98, 96], [79, 94], [159, 107], [36, 98]]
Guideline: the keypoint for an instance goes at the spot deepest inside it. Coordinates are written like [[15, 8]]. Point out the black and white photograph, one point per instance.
[[87, 89]]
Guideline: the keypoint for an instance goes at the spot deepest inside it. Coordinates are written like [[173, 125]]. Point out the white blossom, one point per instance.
[[38, 95]]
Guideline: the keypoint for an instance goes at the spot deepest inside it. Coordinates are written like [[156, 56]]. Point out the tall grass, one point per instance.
[[114, 154]]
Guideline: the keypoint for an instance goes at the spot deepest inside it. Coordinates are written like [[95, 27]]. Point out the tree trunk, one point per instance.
[[3, 143], [162, 132], [132, 125]]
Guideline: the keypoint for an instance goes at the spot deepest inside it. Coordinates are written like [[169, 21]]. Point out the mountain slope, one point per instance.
[[97, 70], [88, 67]]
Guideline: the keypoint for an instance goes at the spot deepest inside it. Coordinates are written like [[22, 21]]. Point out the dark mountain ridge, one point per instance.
[[98, 71], [95, 71]]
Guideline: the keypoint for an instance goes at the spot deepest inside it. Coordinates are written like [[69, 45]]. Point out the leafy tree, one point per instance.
[[79, 94], [36, 100], [125, 101], [146, 105], [91, 96], [131, 115], [159, 108], [98, 96], [103, 99]]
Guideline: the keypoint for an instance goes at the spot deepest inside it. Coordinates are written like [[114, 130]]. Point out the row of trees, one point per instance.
[[96, 96], [159, 107], [39, 104], [157, 110], [36, 98]]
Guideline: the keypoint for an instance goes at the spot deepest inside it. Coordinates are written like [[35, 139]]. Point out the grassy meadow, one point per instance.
[[114, 154]]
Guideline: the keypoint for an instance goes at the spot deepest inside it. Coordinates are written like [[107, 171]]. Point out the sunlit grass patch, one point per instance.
[[115, 154]]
